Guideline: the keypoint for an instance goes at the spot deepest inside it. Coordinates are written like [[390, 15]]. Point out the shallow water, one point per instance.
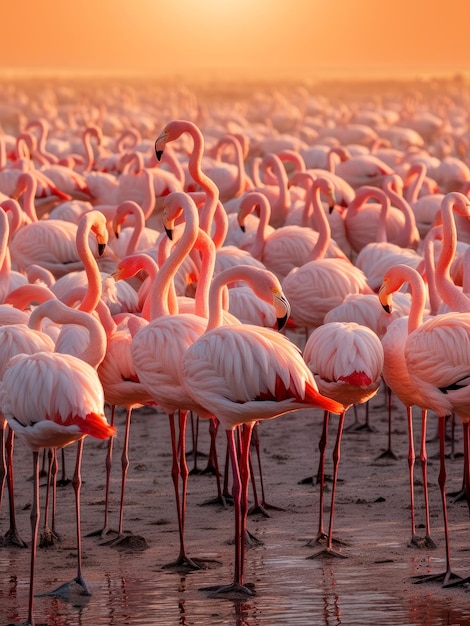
[[290, 591]]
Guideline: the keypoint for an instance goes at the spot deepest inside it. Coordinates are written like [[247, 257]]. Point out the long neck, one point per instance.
[[94, 285], [207, 249], [322, 224], [451, 295], [239, 183], [280, 208], [398, 201], [28, 189], [206, 183], [161, 286], [148, 203], [129, 207], [364, 194], [5, 261], [418, 173], [418, 296], [429, 250], [252, 200]]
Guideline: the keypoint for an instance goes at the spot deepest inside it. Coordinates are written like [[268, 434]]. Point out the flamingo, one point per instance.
[[397, 376], [286, 247], [53, 400], [310, 289], [16, 339], [242, 374], [437, 358], [346, 360], [157, 366]]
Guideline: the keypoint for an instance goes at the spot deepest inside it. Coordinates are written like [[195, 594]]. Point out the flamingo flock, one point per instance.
[[198, 260]]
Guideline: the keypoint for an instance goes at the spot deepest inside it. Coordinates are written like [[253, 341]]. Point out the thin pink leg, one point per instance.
[[12, 536], [411, 465], [34, 534]]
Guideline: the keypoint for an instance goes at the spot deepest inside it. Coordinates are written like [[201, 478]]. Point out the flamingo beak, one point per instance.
[[282, 308], [169, 233], [101, 248], [385, 299], [160, 144]]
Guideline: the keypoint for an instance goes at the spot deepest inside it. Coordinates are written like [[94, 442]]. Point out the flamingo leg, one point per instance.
[[263, 506], [329, 550], [3, 464], [102, 532], [388, 452], [124, 469], [180, 468], [46, 539], [241, 476], [428, 540], [66, 589], [12, 537], [213, 460], [448, 578], [321, 535], [411, 464], [35, 512]]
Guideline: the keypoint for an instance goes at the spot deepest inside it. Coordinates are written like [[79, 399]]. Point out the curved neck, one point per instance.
[[27, 186], [239, 183], [94, 285], [160, 289], [251, 201], [429, 250], [281, 206], [129, 207], [321, 221], [418, 297], [451, 295], [206, 247], [364, 194], [60, 313], [417, 173], [206, 183], [398, 201]]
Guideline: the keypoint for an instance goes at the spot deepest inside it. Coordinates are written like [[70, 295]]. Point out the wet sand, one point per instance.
[[129, 584]]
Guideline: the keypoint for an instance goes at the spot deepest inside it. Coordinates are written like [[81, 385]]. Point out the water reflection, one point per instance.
[[290, 590]]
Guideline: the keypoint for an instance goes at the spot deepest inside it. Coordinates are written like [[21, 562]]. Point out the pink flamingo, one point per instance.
[[131, 238], [311, 289], [16, 339], [362, 220], [286, 247], [348, 376], [365, 169], [436, 356], [230, 178], [118, 297], [53, 400], [397, 376], [149, 349], [277, 381], [376, 257]]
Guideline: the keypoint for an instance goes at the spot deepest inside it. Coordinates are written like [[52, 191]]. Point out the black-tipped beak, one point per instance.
[[242, 226], [169, 233], [158, 154], [387, 308], [331, 208], [101, 249], [282, 321], [282, 304]]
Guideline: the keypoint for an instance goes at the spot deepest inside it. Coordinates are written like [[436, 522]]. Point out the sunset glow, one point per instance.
[[237, 38]]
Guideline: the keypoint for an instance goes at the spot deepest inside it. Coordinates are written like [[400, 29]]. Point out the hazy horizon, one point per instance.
[[236, 40]]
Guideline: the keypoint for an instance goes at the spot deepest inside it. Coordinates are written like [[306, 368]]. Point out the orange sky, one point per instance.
[[251, 37]]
